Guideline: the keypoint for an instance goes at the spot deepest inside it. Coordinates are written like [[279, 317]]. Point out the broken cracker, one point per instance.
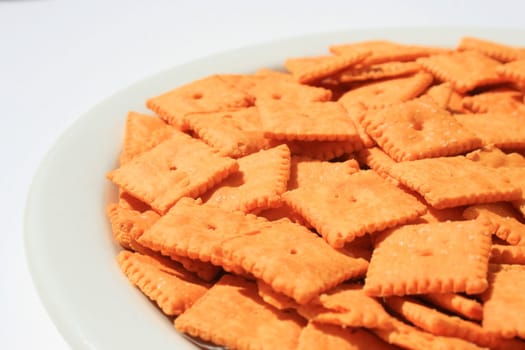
[[438, 257]]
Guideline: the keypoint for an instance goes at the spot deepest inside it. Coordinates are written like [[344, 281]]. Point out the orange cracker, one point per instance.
[[504, 301], [356, 112], [447, 182], [210, 94], [377, 160], [408, 131], [507, 254], [267, 72], [193, 230], [128, 224], [126, 200], [497, 51], [441, 324], [323, 150], [495, 158], [353, 206], [377, 71], [216, 318], [173, 289], [451, 67], [514, 71], [178, 167], [386, 51], [351, 307], [281, 212], [233, 134], [292, 260], [502, 100], [379, 94], [322, 336], [507, 223], [143, 132], [320, 121], [457, 304], [439, 94], [305, 172], [276, 87], [438, 257], [259, 182], [455, 102], [309, 69], [412, 338], [277, 300], [502, 130]]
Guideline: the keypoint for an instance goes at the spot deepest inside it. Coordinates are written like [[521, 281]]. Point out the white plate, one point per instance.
[[68, 241]]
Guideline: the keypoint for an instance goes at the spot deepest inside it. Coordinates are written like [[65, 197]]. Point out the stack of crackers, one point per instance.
[[370, 198]]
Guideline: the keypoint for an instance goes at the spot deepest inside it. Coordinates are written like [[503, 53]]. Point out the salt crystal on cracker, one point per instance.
[[164, 174], [173, 289], [451, 67], [387, 92], [322, 336], [315, 121], [415, 130], [258, 184], [504, 301], [447, 182], [210, 94], [430, 258], [353, 206], [216, 318]]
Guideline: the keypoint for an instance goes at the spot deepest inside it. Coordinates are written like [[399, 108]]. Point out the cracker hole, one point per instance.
[[197, 96], [378, 91], [417, 125], [173, 167], [228, 116], [211, 227], [276, 96], [293, 251], [424, 252]]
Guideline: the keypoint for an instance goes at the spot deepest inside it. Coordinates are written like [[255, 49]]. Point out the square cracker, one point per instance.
[[497, 100], [323, 150], [502, 130], [291, 259], [320, 121], [378, 94], [322, 336], [310, 69], [172, 288], [514, 71], [438, 94], [481, 69], [180, 166], [410, 130], [128, 224], [233, 134], [495, 50], [353, 206], [504, 301], [377, 71], [438, 257], [210, 94], [258, 184], [216, 318], [447, 182], [143, 132], [456, 304]]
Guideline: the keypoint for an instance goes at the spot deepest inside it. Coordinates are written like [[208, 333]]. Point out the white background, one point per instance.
[[58, 58]]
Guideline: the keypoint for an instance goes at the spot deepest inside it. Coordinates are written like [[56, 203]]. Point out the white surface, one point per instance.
[[59, 58]]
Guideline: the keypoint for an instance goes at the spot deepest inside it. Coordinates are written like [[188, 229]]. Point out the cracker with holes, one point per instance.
[[456, 304], [438, 257], [322, 336], [482, 70], [504, 301], [315, 121], [514, 71], [233, 134], [216, 318], [492, 128], [495, 158], [415, 130], [353, 206], [258, 184], [377, 71], [164, 174], [379, 94], [128, 224], [142, 133], [291, 259], [382, 51], [442, 324], [495, 50], [171, 287], [306, 172], [310, 69], [210, 94], [323, 150], [447, 182], [498, 100], [276, 86], [507, 222]]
